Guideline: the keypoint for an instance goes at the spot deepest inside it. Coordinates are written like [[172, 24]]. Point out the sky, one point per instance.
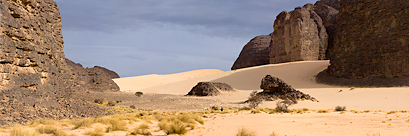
[[140, 37]]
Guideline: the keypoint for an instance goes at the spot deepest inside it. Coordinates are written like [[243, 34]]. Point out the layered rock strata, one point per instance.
[[371, 44], [35, 80], [210, 89], [254, 53]]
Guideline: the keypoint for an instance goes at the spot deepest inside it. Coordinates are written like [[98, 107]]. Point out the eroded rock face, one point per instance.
[[254, 53], [371, 44], [298, 35], [328, 11], [35, 80], [93, 79], [273, 86], [111, 73], [210, 89]]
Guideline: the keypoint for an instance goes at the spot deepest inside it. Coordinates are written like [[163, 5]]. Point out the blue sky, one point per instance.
[[139, 37]]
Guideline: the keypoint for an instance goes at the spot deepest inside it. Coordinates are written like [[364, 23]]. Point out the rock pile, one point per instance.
[[277, 89], [94, 79], [210, 89], [371, 50]]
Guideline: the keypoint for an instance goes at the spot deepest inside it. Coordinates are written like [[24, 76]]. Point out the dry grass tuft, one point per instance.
[[51, 130], [324, 111], [96, 132], [42, 121], [19, 130], [142, 129], [245, 132], [82, 123], [173, 127], [274, 134]]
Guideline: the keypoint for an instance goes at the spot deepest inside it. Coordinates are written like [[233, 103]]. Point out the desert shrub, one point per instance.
[[255, 99], [142, 129], [139, 94], [111, 103], [51, 130], [132, 107], [282, 106], [254, 111], [324, 111], [96, 132], [99, 101], [245, 132], [340, 108], [42, 121], [81, 123], [19, 130], [116, 125], [173, 127]]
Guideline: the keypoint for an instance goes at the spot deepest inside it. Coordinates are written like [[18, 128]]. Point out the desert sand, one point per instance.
[[299, 75]]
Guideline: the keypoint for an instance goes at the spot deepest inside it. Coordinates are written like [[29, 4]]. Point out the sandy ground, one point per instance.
[[300, 75]]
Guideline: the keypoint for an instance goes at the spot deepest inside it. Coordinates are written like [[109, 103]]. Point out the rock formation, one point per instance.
[[93, 79], [302, 34], [371, 44], [298, 35], [276, 87], [35, 80], [210, 89], [112, 74], [254, 53]]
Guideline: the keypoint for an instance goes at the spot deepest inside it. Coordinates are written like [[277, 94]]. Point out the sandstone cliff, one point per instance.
[[254, 53], [302, 34], [371, 44], [35, 80]]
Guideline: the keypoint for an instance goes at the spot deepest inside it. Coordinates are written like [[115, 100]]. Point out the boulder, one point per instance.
[[298, 35], [273, 86], [254, 53], [373, 49], [210, 89]]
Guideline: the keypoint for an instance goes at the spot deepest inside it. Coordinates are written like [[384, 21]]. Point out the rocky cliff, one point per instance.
[[35, 80], [371, 44], [254, 53], [302, 34], [94, 79]]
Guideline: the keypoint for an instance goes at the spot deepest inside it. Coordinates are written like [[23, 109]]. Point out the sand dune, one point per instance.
[[300, 75]]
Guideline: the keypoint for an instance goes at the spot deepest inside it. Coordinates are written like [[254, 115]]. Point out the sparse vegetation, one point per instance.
[[51, 130], [142, 129], [340, 108], [82, 123], [42, 121], [19, 130], [111, 103], [255, 99], [274, 134], [282, 106], [132, 107], [139, 94], [96, 132], [245, 132], [173, 127], [324, 111], [99, 101]]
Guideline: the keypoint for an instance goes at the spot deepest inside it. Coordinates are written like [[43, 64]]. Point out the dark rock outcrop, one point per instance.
[[111, 73], [305, 33], [371, 44], [298, 35], [275, 87], [254, 53], [210, 89], [35, 80], [93, 79]]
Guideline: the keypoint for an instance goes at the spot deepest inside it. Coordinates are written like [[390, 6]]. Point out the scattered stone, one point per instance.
[[210, 89]]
